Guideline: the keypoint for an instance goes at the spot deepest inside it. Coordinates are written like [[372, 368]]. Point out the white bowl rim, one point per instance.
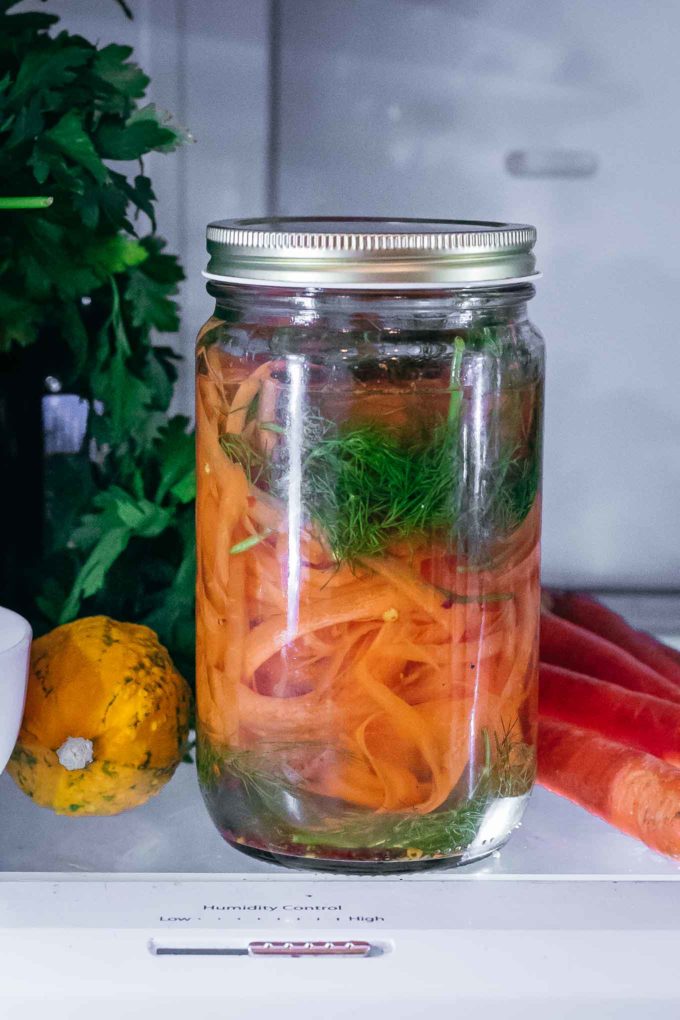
[[26, 633]]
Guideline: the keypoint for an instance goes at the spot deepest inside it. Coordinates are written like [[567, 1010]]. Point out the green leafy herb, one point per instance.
[[70, 137], [367, 486], [82, 267], [30, 202]]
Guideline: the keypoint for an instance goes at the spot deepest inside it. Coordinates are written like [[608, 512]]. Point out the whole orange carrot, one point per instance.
[[588, 612], [566, 644], [627, 788], [637, 720]]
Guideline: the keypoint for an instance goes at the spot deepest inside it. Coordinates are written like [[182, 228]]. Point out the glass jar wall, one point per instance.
[[368, 523]]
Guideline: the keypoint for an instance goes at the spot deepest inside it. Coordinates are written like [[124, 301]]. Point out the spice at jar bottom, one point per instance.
[[369, 431]]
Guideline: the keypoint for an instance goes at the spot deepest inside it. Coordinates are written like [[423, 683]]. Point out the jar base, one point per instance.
[[375, 868], [502, 817]]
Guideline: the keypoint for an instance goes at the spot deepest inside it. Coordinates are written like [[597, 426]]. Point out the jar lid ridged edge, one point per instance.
[[506, 238], [373, 251]]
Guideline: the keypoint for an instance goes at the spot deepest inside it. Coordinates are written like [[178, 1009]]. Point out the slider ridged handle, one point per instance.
[[328, 948]]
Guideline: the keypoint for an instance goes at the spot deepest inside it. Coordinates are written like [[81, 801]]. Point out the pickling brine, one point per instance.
[[368, 522]]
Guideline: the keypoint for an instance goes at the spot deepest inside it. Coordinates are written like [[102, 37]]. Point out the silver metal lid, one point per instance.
[[367, 253]]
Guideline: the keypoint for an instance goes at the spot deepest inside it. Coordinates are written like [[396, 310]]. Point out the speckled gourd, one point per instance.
[[106, 718]]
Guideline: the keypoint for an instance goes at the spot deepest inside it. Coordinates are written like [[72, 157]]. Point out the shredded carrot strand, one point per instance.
[[388, 669]]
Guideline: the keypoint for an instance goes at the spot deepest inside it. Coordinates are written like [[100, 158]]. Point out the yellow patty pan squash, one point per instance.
[[106, 719]]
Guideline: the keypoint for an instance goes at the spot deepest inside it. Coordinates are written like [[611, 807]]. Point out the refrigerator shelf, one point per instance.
[[173, 835]]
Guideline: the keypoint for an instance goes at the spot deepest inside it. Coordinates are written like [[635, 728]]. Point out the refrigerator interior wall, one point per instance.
[[559, 114]]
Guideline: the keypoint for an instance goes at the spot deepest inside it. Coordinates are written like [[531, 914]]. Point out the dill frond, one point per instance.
[[269, 782], [367, 487]]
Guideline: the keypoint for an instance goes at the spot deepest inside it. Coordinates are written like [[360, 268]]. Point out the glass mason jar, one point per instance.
[[369, 423]]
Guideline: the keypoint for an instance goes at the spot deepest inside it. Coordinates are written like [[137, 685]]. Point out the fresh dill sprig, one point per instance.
[[270, 784], [517, 494], [367, 487], [511, 766], [439, 833], [271, 767], [485, 338], [240, 451]]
